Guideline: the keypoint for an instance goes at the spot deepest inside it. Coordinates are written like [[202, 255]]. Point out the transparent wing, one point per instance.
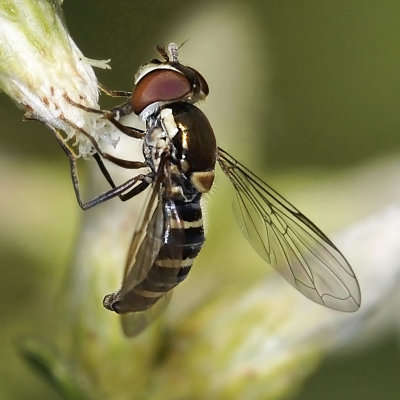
[[145, 244], [144, 247], [146, 284], [137, 322], [163, 242], [290, 242], [141, 256]]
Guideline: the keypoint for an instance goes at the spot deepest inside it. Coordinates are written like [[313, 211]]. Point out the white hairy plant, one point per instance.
[[42, 70]]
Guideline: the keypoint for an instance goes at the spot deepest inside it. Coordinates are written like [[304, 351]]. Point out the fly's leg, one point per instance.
[[104, 170], [115, 160], [144, 180], [144, 184], [114, 93], [124, 109], [134, 191], [119, 111]]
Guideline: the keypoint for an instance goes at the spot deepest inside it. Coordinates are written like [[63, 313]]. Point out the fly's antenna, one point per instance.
[[161, 50], [173, 50], [184, 42]]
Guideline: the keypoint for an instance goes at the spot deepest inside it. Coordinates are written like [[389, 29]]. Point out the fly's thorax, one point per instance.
[[155, 144], [193, 147], [168, 123], [161, 130], [183, 133]]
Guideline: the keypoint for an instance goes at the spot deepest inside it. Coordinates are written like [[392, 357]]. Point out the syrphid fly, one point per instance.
[[180, 154]]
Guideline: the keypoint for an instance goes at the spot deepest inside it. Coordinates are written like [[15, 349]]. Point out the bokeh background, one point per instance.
[[305, 93]]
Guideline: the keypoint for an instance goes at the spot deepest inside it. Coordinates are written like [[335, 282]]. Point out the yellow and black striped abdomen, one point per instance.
[[183, 238]]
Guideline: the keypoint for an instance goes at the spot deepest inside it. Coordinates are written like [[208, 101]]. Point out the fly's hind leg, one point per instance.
[[144, 180]]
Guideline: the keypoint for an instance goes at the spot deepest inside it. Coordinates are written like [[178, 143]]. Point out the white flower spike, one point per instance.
[[41, 68]]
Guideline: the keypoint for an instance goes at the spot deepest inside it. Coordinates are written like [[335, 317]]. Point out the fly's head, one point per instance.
[[164, 82]]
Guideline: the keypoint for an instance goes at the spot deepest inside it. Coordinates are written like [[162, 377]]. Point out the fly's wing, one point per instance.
[[137, 322], [160, 234], [145, 244], [290, 242], [144, 247], [164, 241], [141, 256], [164, 228]]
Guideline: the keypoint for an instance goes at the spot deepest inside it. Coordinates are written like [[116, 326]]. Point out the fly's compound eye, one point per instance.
[[159, 85], [203, 84]]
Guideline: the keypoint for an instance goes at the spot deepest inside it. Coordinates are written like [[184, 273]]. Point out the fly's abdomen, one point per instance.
[[182, 240]]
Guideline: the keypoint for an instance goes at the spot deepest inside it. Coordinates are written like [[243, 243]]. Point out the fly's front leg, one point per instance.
[[114, 93], [115, 160], [117, 112], [121, 111]]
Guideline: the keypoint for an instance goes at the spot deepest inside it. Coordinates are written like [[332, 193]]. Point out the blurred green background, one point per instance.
[[306, 93]]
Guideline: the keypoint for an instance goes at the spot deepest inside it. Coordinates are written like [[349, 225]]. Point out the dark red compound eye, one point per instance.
[[202, 81], [159, 85]]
